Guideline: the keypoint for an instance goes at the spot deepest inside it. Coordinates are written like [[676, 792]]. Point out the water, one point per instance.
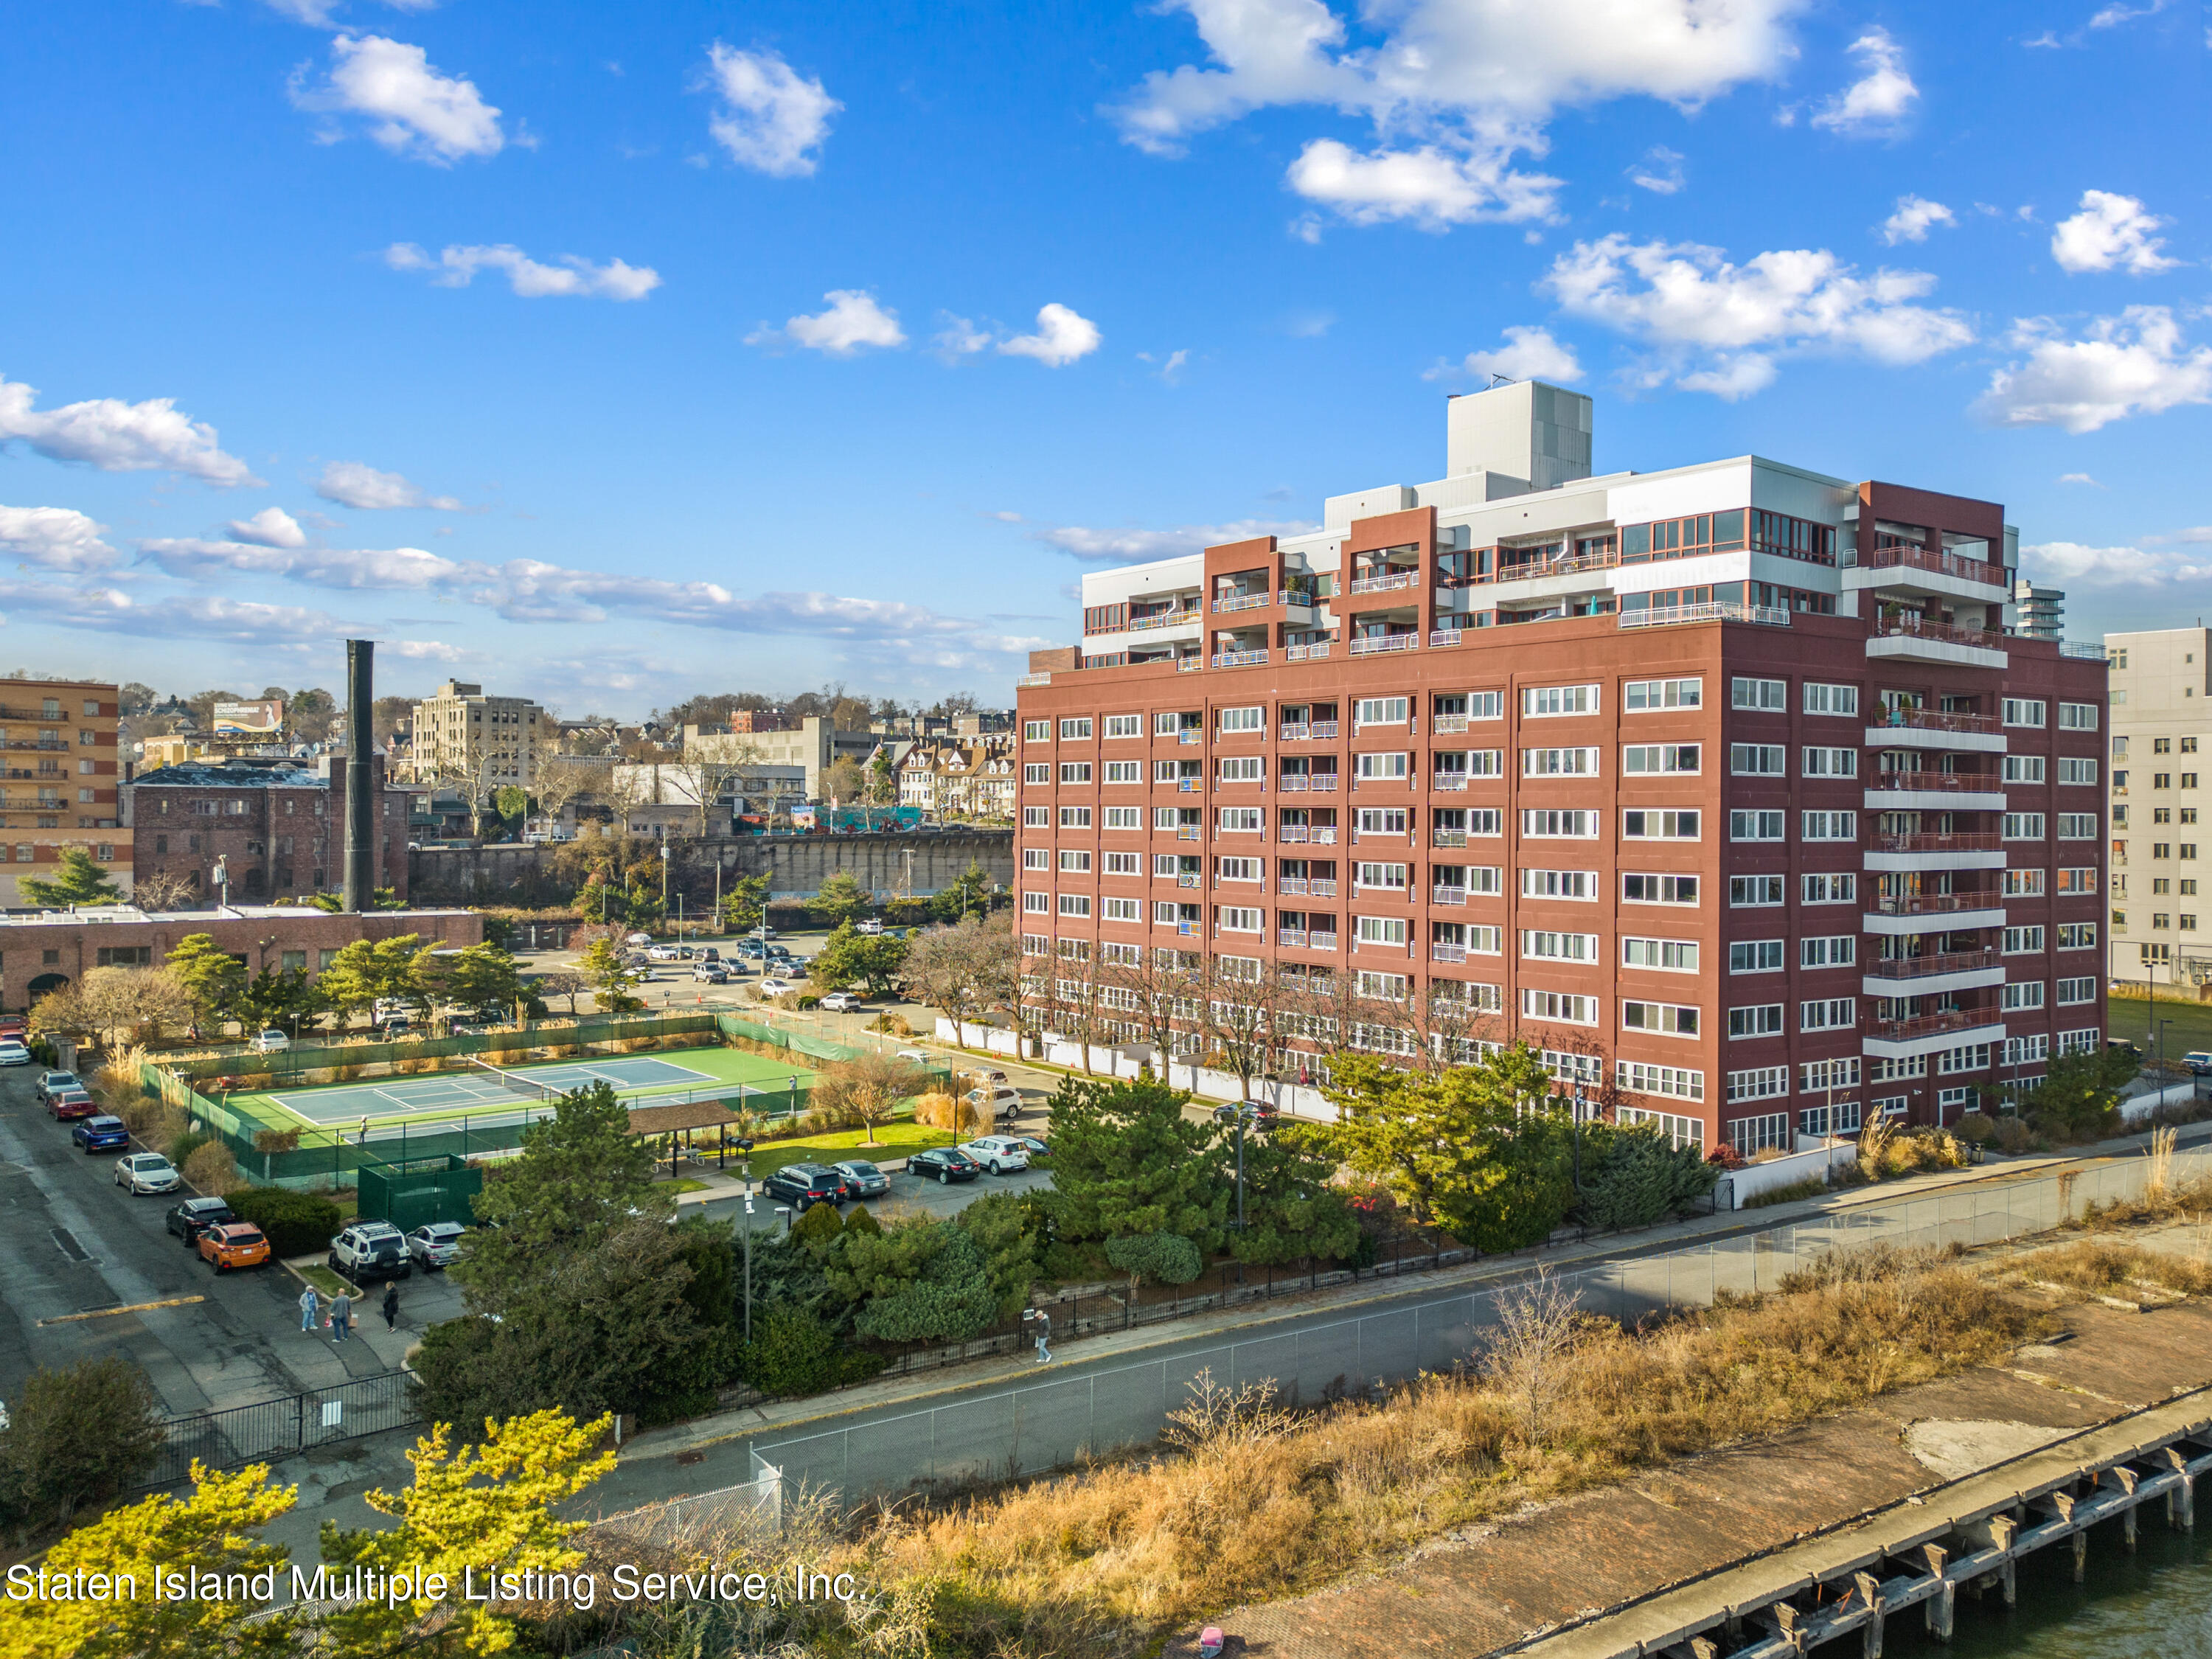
[[2156, 1604]]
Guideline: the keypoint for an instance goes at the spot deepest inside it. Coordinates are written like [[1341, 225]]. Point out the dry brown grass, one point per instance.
[[2101, 1266], [2163, 1199], [212, 1169], [1259, 1502]]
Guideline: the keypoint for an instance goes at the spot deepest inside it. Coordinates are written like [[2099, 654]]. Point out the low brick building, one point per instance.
[[39, 954], [278, 825]]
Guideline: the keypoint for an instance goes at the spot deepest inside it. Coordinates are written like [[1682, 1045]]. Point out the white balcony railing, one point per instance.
[[1313, 652], [1373, 644], [1238, 659], [1243, 602], [1389, 582], [1442, 894], [1659, 615], [1448, 781]]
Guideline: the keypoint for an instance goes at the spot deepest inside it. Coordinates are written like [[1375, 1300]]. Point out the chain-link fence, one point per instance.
[[1056, 1421]]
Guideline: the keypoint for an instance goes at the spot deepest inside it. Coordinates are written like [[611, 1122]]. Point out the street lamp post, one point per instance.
[[748, 1225]]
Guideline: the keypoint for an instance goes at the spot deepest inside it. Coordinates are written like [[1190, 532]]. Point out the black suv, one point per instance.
[[805, 1185], [943, 1164], [189, 1220]]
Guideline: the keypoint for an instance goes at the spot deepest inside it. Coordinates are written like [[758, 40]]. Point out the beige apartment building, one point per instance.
[[2161, 924], [811, 744], [482, 744], [59, 736]]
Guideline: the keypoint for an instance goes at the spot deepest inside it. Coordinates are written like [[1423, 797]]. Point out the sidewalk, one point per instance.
[[915, 1391]]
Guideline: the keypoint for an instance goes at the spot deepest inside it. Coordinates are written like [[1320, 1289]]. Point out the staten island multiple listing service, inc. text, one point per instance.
[[624, 1583]]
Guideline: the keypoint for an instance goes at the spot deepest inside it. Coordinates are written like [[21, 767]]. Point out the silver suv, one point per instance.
[[371, 1249]]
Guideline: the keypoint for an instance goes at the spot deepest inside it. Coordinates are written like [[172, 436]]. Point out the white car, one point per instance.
[[146, 1172], [664, 953], [1000, 1154], [269, 1042], [1005, 1103], [841, 1002], [436, 1245], [12, 1053], [872, 927], [774, 987]]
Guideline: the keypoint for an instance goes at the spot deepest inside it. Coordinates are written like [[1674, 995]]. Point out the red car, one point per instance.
[[71, 1103]]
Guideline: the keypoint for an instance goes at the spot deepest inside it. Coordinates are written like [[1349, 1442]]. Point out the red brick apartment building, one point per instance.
[[59, 738], [1730, 787], [277, 825]]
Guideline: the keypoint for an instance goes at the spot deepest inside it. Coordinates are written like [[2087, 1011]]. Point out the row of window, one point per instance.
[[1746, 760]]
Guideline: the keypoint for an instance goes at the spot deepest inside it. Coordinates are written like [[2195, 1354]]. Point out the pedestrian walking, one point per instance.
[[391, 1308], [1042, 1321], [341, 1318], [311, 1308]]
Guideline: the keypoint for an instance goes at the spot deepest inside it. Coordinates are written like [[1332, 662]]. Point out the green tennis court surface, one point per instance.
[[697, 1074]]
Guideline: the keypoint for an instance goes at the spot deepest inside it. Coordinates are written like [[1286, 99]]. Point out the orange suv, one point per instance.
[[233, 1244]]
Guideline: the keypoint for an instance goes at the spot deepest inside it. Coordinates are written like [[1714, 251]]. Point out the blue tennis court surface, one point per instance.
[[455, 1091]]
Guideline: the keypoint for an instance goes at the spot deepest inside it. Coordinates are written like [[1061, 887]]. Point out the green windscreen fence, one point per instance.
[[419, 1191]]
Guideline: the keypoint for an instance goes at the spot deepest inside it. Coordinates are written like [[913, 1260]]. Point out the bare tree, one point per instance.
[[1453, 1022], [562, 781], [864, 1089], [1240, 1009], [164, 890], [1539, 1322], [1155, 986], [134, 1003], [719, 768], [944, 969], [566, 983]]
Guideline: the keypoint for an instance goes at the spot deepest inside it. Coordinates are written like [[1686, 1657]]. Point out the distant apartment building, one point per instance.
[[1732, 788], [460, 735], [2042, 609], [2161, 926], [971, 778], [272, 828], [811, 744], [62, 779]]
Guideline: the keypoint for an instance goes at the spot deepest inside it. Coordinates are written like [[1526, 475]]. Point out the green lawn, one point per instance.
[[2189, 1023]]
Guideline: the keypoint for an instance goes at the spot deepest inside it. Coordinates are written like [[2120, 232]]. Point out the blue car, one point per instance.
[[101, 1134]]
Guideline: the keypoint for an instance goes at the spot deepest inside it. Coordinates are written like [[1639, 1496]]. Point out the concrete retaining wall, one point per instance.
[[795, 866], [1813, 1163]]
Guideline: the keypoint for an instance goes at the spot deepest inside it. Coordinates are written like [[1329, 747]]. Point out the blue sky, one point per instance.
[[610, 354]]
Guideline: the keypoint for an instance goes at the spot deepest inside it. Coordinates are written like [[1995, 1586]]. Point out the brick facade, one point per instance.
[[279, 827], [60, 742]]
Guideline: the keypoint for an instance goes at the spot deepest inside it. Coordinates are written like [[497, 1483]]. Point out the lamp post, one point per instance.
[[747, 1223]]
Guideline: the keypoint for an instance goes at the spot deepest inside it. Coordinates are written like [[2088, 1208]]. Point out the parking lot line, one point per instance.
[[135, 1307]]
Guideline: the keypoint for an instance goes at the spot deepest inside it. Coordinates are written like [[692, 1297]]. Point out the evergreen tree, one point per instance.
[[1125, 1160], [77, 880]]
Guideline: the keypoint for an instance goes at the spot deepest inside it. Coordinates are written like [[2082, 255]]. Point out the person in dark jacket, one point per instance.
[[391, 1306]]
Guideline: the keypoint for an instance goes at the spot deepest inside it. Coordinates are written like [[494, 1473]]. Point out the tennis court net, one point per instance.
[[515, 1085]]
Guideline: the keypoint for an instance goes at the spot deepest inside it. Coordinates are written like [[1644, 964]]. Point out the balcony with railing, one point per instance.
[[1443, 723], [1904, 634], [1935, 719], [1190, 832], [1239, 659], [35, 743], [1183, 879], [1319, 783], [1448, 780], [2084, 651], [1907, 557], [1926, 782], [1320, 834], [1368, 645], [1306, 939], [1441, 894], [1315, 651], [1933, 963], [1660, 616], [1384, 581], [1936, 1024], [1229, 602], [1449, 838], [1932, 904], [1936, 841], [1190, 663], [1169, 618], [1441, 638]]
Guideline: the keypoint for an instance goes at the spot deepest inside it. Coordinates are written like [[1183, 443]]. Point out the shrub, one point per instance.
[[795, 1354], [298, 1224], [152, 1120], [817, 1227], [183, 1145], [75, 1436], [1811, 1186], [2013, 1135], [212, 1169], [1975, 1129]]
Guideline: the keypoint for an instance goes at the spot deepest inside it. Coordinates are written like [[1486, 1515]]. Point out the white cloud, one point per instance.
[[957, 338], [2113, 15], [1062, 337], [1915, 217], [1879, 99], [354, 484], [2135, 363], [427, 650], [196, 617], [574, 277], [2110, 230], [399, 569], [1714, 324], [272, 527], [1454, 89], [53, 538], [412, 110], [1528, 353], [771, 117], [1435, 186], [853, 320], [1659, 172], [1136, 546], [118, 437], [2081, 566], [2080, 478]]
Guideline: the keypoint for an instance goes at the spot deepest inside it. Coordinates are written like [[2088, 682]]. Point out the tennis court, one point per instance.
[[709, 1073]]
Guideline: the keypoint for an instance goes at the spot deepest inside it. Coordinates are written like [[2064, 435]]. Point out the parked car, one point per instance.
[[663, 953], [233, 1244], [763, 932], [805, 1185], [399, 1027], [872, 927], [1005, 1103], [12, 1053], [102, 1133], [370, 1249], [774, 988], [1000, 1154], [72, 1102], [391, 1008], [16, 1026], [436, 1245], [146, 1172], [269, 1042], [709, 953], [944, 1165], [710, 973], [862, 1179], [841, 1002], [50, 1082], [752, 947], [188, 1219], [2199, 1061], [1034, 1147]]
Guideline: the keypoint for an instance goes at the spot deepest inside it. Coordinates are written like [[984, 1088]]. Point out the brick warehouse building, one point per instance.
[[277, 824], [1728, 787], [41, 953], [60, 738]]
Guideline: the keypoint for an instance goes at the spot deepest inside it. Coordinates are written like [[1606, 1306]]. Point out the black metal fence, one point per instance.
[[284, 1427]]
